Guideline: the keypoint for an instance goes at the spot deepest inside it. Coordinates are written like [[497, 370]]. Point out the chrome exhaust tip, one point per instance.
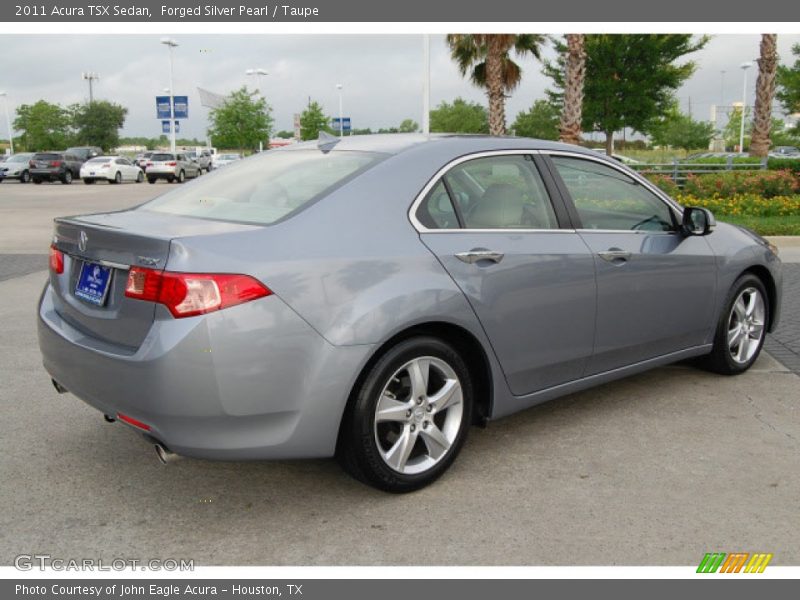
[[59, 388], [164, 455]]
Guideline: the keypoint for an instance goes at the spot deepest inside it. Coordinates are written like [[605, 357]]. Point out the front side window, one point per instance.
[[494, 192], [608, 199]]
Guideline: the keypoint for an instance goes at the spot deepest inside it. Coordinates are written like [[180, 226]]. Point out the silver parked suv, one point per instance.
[[172, 167]]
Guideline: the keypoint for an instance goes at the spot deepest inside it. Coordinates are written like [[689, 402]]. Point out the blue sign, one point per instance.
[[345, 124], [165, 126], [162, 107], [181, 107]]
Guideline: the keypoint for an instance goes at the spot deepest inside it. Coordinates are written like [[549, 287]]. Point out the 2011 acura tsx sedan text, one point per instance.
[[372, 297]]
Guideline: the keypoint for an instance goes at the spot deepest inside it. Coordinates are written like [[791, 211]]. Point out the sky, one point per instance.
[[381, 75]]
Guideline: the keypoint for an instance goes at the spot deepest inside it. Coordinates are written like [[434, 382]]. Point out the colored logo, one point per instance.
[[736, 562]]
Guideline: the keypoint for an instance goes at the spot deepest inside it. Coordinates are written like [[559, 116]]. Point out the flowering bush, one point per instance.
[[746, 205], [762, 183], [666, 183]]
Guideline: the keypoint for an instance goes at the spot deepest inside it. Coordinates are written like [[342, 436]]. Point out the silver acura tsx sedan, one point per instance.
[[372, 297]]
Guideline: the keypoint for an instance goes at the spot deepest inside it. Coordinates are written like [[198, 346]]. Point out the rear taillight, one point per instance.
[[56, 260], [55, 163], [134, 422], [190, 294], [148, 164], [172, 164]]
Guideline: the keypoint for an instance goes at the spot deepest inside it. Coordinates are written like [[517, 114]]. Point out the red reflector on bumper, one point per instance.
[[134, 422]]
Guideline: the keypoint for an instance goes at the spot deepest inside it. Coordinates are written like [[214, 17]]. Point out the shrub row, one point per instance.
[[745, 205], [767, 184]]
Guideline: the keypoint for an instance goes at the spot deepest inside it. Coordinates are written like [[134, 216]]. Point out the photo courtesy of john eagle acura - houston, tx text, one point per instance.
[[372, 297]]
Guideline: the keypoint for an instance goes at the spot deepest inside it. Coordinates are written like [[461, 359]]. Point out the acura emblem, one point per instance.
[[82, 239]]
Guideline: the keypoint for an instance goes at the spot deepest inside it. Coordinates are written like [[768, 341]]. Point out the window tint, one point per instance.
[[162, 157], [95, 161], [436, 211], [264, 188], [608, 199], [501, 192], [46, 156]]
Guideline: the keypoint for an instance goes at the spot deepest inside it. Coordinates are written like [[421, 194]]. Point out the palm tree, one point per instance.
[[570, 127], [765, 92], [486, 57]]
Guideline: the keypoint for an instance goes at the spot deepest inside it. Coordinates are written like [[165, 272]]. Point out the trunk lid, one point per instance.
[[115, 242]]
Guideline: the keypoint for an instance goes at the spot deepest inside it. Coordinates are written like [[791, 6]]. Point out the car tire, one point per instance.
[[25, 177], [36, 180], [170, 179], [415, 441], [66, 179], [140, 177], [88, 181], [181, 177], [741, 329], [151, 180], [118, 178]]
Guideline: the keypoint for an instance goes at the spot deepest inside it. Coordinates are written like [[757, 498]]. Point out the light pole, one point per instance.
[[8, 122], [744, 66], [341, 120], [90, 77], [426, 84], [258, 73], [170, 43]]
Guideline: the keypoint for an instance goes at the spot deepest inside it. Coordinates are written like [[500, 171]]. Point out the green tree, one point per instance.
[[459, 117], [408, 126], [732, 129], [98, 124], [241, 122], [487, 59], [675, 129], [44, 126], [312, 121], [630, 78], [540, 121], [285, 134], [789, 85]]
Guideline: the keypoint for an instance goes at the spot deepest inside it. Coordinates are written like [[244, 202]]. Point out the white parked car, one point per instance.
[[114, 169], [220, 160]]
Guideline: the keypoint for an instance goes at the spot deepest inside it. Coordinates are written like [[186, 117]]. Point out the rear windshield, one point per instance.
[[162, 157], [265, 188], [46, 156], [99, 160]]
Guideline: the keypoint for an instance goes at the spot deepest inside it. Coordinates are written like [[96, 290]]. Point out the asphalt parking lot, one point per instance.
[[657, 469]]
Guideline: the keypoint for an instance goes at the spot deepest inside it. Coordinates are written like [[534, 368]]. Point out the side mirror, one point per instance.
[[697, 221]]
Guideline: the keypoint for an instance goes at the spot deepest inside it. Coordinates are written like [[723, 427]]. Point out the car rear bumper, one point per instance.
[[161, 172], [250, 382], [47, 173]]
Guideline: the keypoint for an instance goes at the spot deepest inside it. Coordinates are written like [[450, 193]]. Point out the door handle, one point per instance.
[[478, 254], [614, 254]]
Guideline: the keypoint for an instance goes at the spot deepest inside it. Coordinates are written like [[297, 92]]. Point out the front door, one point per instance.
[[655, 287]]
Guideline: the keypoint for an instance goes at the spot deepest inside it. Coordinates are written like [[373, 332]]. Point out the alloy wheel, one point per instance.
[[746, 325], [418, 415]]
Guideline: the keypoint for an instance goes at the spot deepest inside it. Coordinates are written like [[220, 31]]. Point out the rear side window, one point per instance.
[[495, 192], [436, 211], [265, 188]]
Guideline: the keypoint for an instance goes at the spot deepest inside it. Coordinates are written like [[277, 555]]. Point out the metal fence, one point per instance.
[[678, 171]]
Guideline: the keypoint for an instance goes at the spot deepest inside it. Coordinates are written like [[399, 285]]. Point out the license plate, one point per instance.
[[93, 283], [92, 173]]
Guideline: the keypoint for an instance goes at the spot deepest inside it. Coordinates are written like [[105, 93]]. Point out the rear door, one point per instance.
[[655, 287], [528, 276]]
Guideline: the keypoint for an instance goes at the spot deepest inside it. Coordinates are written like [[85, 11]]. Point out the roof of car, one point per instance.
[[395, 143]]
